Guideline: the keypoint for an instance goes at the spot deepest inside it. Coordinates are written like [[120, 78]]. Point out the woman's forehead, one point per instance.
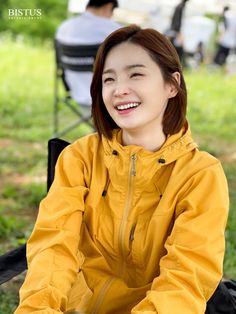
[[127, 47], [127, 55]]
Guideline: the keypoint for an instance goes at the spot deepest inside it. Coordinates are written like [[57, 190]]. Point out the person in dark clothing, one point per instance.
[[175, 34]]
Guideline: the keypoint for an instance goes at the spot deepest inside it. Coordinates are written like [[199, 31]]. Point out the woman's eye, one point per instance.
[[108, 79], [136, 74]]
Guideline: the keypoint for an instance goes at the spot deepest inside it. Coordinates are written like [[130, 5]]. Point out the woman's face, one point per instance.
[[133, 88]]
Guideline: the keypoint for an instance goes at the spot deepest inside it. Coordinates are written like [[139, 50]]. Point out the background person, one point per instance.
[[227, 40], [91, 27], [175, 33], [125, 225]]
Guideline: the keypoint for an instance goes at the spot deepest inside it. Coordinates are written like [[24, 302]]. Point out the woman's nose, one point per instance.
[[121, 88]]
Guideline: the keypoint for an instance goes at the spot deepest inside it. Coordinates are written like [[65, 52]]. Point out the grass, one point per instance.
[[212, 116], [26, 91], [8, 301], [212, 110], [26, 110]]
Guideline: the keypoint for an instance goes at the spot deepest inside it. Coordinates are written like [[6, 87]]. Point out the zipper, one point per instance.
[[101, 295], [133, 165], [108, 282], [123, 224]]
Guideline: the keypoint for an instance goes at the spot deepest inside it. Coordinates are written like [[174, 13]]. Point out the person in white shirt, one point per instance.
[[91, 27], [227, 41]]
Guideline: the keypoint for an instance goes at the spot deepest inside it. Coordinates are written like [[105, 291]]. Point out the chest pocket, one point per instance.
[[147, 244]]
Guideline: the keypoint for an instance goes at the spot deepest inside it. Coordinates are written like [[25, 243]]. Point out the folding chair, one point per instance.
[[78, 58], [14, 262]]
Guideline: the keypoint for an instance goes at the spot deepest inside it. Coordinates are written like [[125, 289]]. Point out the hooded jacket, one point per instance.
[[124, 230]]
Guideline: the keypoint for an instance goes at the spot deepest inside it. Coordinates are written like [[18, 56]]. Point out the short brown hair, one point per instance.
[[164, 54]]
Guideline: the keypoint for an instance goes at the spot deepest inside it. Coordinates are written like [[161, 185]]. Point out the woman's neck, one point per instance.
[[150, 140]]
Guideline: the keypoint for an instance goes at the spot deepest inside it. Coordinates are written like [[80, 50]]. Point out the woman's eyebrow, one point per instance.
[[128, 67], [135, 66], [108, 71]]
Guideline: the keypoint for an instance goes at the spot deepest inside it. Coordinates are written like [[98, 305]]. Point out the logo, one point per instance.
[[20, 14]]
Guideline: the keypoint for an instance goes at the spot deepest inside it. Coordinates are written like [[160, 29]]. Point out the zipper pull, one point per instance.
[[133, 165], [131, 236]]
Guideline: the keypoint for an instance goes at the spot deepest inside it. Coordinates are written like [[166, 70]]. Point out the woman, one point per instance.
[[134, 221]]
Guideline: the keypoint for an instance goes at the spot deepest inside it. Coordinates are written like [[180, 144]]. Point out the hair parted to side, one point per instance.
[[164, 54]]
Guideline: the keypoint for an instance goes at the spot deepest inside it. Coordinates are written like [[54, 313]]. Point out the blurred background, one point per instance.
[[27, 67]]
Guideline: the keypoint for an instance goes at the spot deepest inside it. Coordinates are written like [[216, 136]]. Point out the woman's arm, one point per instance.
[[53, 246], [192, 267]]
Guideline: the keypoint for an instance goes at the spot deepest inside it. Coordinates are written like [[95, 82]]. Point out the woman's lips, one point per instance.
[[126, 107]]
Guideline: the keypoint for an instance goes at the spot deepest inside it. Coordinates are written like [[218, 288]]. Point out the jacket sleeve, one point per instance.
[[53, 246], [192, 267]]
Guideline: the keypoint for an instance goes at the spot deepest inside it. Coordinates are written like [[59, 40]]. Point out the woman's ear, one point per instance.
[[176, 76], [173, 89]]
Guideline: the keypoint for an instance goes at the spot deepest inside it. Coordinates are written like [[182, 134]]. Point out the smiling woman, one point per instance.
[[155, 59], [129, 94], [125, 225]]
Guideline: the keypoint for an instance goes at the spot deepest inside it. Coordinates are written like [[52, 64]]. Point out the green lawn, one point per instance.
[[26, 107]]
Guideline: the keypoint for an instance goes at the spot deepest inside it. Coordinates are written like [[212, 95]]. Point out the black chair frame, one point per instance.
[[78, 58]]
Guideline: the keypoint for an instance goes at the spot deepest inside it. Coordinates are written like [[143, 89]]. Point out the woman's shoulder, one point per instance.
[[205, 158], [87, 142], [83, 149], [200, 161], [89, 138]]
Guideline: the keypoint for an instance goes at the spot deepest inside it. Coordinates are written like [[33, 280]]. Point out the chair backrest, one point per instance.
[[14, 262], [55, 147], [78, 58]]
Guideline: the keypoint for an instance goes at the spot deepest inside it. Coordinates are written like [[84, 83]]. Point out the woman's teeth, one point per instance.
[[127, 106]]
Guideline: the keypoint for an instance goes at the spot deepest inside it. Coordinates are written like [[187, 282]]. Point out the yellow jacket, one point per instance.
[[123, 230]]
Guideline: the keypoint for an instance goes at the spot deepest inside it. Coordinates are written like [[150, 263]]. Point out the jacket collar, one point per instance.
[[174, 147]]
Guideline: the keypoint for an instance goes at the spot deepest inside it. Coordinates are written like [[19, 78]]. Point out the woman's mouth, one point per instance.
[[127, 107]]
